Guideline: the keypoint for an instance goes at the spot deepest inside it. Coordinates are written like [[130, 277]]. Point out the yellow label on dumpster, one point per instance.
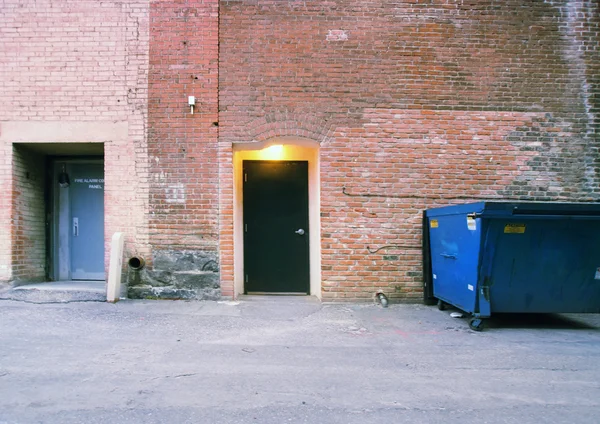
[[514, 229], [434, 223]]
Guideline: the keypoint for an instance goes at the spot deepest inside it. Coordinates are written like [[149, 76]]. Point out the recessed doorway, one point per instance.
[[301, 251]]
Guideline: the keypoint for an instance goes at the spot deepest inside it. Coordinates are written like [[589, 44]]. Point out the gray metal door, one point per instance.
[[87, 221]]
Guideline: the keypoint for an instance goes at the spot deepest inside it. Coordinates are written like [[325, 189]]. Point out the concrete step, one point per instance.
[[58, 292]]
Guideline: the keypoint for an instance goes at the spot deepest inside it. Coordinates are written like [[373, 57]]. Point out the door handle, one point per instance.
[[75, 227], [447, 255], [299, 232]]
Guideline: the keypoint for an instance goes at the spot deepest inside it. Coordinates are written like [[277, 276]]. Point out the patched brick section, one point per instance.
[[183, 148], [558, 170], [226, 245], [28, 216], [81, 61]]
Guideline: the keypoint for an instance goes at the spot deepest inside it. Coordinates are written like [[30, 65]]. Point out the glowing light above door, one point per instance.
[[274, 152]]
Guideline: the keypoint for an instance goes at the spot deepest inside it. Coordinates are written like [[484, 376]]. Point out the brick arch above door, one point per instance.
[[266, 128]]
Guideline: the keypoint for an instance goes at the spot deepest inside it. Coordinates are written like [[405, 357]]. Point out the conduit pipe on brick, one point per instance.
[[382, 299], [136, 263]]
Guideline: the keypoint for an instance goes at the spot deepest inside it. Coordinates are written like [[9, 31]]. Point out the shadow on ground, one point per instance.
[[542, 321]]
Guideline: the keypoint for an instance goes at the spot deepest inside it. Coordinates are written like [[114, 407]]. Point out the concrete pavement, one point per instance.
[[291, 360]]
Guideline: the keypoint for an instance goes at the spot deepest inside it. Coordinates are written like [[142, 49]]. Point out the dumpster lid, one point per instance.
[[504, 209]]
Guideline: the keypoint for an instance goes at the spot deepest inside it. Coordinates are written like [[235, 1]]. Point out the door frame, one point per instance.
[[59, 218], [294, 149]]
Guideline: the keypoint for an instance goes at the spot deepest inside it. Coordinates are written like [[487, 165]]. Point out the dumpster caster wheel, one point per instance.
[[441, 305], [476, 324]]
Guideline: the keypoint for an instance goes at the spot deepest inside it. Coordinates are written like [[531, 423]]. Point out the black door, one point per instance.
[[276, 227]]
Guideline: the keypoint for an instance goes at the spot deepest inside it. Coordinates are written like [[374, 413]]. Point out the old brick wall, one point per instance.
[[5, 213], [28, 215], [74, 71], [182, 149], [416, 104]]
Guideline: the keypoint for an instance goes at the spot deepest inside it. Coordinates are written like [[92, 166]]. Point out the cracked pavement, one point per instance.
[[292, 360]]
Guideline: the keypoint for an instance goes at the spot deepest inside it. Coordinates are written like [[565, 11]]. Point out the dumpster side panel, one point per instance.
[[544, 266], [455, 245]]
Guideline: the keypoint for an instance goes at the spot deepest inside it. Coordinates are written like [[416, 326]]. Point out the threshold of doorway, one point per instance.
[[74, 285], [58, 292], [275, 294], [280, 307], [279, 298]]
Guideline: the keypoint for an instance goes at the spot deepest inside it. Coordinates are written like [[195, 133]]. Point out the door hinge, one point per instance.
[[246, 278], [245, 177], [246, 228]]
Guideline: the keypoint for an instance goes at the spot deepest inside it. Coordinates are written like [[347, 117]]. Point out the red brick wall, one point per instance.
[[182, 146], [332, 59], [28, 216], [373, 193], [416, 104]]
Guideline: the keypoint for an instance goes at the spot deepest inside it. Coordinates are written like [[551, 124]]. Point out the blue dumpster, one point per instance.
[[492, 257]]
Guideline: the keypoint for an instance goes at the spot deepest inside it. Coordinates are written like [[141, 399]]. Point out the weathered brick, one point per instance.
[[414, 104], [72, 62]]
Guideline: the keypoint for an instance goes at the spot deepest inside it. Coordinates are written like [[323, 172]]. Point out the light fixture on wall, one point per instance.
[[192, 103], [63, 178]]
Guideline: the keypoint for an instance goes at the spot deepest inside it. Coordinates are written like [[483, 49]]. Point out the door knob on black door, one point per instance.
[[300, 232]]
